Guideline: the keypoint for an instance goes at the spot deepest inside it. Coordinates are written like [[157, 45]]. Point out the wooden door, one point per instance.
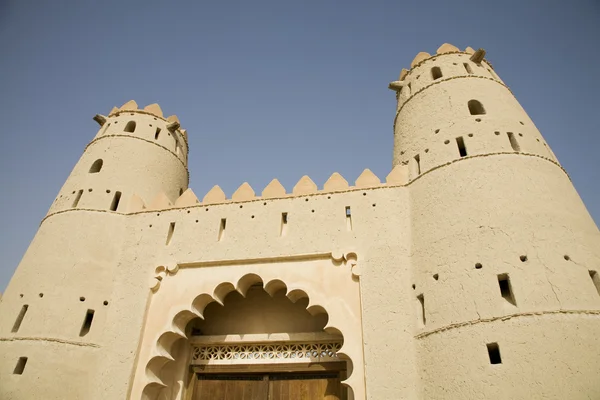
[[271, 382], [231, 387], [305, 387]]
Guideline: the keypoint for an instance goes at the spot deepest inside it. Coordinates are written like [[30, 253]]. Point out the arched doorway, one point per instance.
[[263, 347], [260, 318]]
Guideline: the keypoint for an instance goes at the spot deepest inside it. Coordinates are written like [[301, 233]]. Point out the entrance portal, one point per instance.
[[264, 347], [274, 386]]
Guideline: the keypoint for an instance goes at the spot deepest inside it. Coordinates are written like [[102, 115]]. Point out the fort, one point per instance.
[[470, 271]]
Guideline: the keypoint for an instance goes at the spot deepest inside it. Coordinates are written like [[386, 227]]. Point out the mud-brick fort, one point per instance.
[[470, 271]]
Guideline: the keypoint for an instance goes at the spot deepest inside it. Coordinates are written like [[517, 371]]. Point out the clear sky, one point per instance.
[[270, 88]]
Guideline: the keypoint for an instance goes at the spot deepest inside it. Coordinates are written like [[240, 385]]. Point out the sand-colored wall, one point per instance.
[[157, 265], [495, 210]]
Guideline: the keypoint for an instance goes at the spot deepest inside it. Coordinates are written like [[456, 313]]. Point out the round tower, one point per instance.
[[59, 309], [135, 152], [505, 256]]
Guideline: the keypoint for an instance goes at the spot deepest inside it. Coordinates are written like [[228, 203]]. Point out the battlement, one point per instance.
[[151, 109], [476, 56]]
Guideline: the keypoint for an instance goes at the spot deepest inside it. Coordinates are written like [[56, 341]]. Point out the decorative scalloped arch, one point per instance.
[[174, 331]]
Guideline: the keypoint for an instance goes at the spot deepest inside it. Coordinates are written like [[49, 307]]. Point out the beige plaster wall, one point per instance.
[[68, 269], [158, 268]]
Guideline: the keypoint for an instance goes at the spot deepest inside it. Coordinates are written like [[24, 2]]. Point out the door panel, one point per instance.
[[283, 386], [305, 387], [231, 387]]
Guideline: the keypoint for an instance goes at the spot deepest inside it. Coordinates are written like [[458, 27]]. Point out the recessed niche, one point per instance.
[[82, 298], [478, 266], [497, 133], [41, 295], [494, 353], [414, 286], [446, 141], [20, 367], [506, 289], [566, 257], [421, 310], [105, 302], [523, 258], [436, 276], [19, 319], [170, 233], [437, 131], [87, 323], [470, 135], [222, 227]]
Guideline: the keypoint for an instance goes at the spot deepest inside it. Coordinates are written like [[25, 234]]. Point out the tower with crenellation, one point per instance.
[[470, 272]]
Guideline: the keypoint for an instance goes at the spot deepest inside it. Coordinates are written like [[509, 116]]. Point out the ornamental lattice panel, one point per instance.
[[265, 353]]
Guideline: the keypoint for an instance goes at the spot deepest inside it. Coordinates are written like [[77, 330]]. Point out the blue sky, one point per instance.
[[270, 89]]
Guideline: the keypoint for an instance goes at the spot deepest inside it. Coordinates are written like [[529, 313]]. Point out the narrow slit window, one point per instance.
[[506, 289], [20, 367], [19, 319], [156, 133], [222, 229], [348, 218], [115, 201], [475, 107], [436, 73], [284, 221], [87, 323], [77, 198], [409, 89], [494, 353], [130, 127], [170, 234], [96, 166], [418, 164], [421, 309], [596, 280], [462, 150], [468, 68], [513, 141]]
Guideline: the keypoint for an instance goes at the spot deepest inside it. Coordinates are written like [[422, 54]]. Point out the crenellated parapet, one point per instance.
[[274, 190]]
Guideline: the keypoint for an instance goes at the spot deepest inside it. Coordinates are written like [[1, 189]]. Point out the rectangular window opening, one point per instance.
[[506, 289], [348, 218], [468, 68], [156, 133], [421, 310], [222, 229], [20, 367], [115, 201], [494, 353], [284, 221], [20, 317], [418, 164], [170, 234], [513, 142], [462, 150], [596, 280], [87, 323], [77, 198]]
